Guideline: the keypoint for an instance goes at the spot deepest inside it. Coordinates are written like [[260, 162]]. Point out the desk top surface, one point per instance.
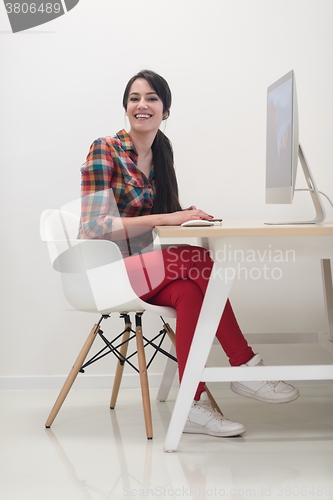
[[247, 228]]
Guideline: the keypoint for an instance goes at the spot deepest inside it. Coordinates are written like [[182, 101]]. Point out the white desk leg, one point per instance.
[[217, 293], [328, 295]]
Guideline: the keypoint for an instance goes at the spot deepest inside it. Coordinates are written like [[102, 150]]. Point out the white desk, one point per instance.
[[306, 241]]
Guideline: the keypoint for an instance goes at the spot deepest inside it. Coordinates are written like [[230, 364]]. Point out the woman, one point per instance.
[[129, 182]]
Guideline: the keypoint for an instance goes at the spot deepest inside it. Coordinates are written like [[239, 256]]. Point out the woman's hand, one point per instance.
[[171, 219], [177, 218]]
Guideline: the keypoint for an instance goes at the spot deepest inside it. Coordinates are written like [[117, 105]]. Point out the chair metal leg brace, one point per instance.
[[110, 348], [73, 374]]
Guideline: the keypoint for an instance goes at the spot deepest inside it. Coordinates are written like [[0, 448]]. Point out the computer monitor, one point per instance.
[[283, 149], [281, 140]]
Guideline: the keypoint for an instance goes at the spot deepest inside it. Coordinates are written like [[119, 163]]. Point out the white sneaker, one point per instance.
[[204, 419], [268, 392]]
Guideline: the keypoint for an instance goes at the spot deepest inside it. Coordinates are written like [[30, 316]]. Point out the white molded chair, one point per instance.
[[95, 279]]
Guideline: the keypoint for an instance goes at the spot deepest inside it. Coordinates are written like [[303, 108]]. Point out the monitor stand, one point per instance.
[[312, 188]]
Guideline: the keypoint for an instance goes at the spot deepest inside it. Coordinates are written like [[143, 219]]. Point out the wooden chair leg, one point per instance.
[[120, 367], [170, 367], [171, 333], [143, 377], [72, 375], [212, 400]]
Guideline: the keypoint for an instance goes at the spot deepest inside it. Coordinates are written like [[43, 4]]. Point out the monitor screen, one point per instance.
[[281, 140]]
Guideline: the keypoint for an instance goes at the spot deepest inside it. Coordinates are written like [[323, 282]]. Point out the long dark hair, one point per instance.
[[166, 186]]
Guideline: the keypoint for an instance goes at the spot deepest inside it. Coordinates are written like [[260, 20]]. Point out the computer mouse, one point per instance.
[[197, 223]]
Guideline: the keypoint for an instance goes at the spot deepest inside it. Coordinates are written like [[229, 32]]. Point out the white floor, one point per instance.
[[92, 453]]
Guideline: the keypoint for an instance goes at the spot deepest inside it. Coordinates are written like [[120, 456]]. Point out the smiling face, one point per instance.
[[144, 107]]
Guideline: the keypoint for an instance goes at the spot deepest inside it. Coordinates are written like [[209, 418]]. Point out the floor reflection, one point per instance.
[[92, 453]]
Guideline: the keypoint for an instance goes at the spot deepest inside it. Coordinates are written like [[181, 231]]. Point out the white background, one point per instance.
[[61, 88]]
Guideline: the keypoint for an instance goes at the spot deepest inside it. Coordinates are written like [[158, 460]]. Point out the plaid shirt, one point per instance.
[[112, 186]]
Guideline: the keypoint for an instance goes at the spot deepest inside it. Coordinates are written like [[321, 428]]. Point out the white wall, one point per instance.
[[62, 87]]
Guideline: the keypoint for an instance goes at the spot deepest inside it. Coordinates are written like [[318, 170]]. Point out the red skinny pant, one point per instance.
[[177, 277]]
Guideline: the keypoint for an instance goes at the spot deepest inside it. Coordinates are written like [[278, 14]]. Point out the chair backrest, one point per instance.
[[94, 275], [58, 228]]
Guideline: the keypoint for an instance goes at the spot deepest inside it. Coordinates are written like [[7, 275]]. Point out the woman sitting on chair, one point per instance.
[[132, 175]]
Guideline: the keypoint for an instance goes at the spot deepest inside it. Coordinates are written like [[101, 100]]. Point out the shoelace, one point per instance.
[[206, 406], [272, 382]]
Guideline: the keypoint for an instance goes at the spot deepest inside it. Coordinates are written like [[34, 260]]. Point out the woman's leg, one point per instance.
[[195, 264], [180, 294], [186, 274]]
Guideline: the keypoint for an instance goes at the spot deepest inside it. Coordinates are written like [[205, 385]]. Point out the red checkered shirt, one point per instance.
[[112, 186]]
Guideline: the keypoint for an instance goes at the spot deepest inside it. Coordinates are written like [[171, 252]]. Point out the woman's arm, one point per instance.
[[171, 219], [98, 206], [99, 212]]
